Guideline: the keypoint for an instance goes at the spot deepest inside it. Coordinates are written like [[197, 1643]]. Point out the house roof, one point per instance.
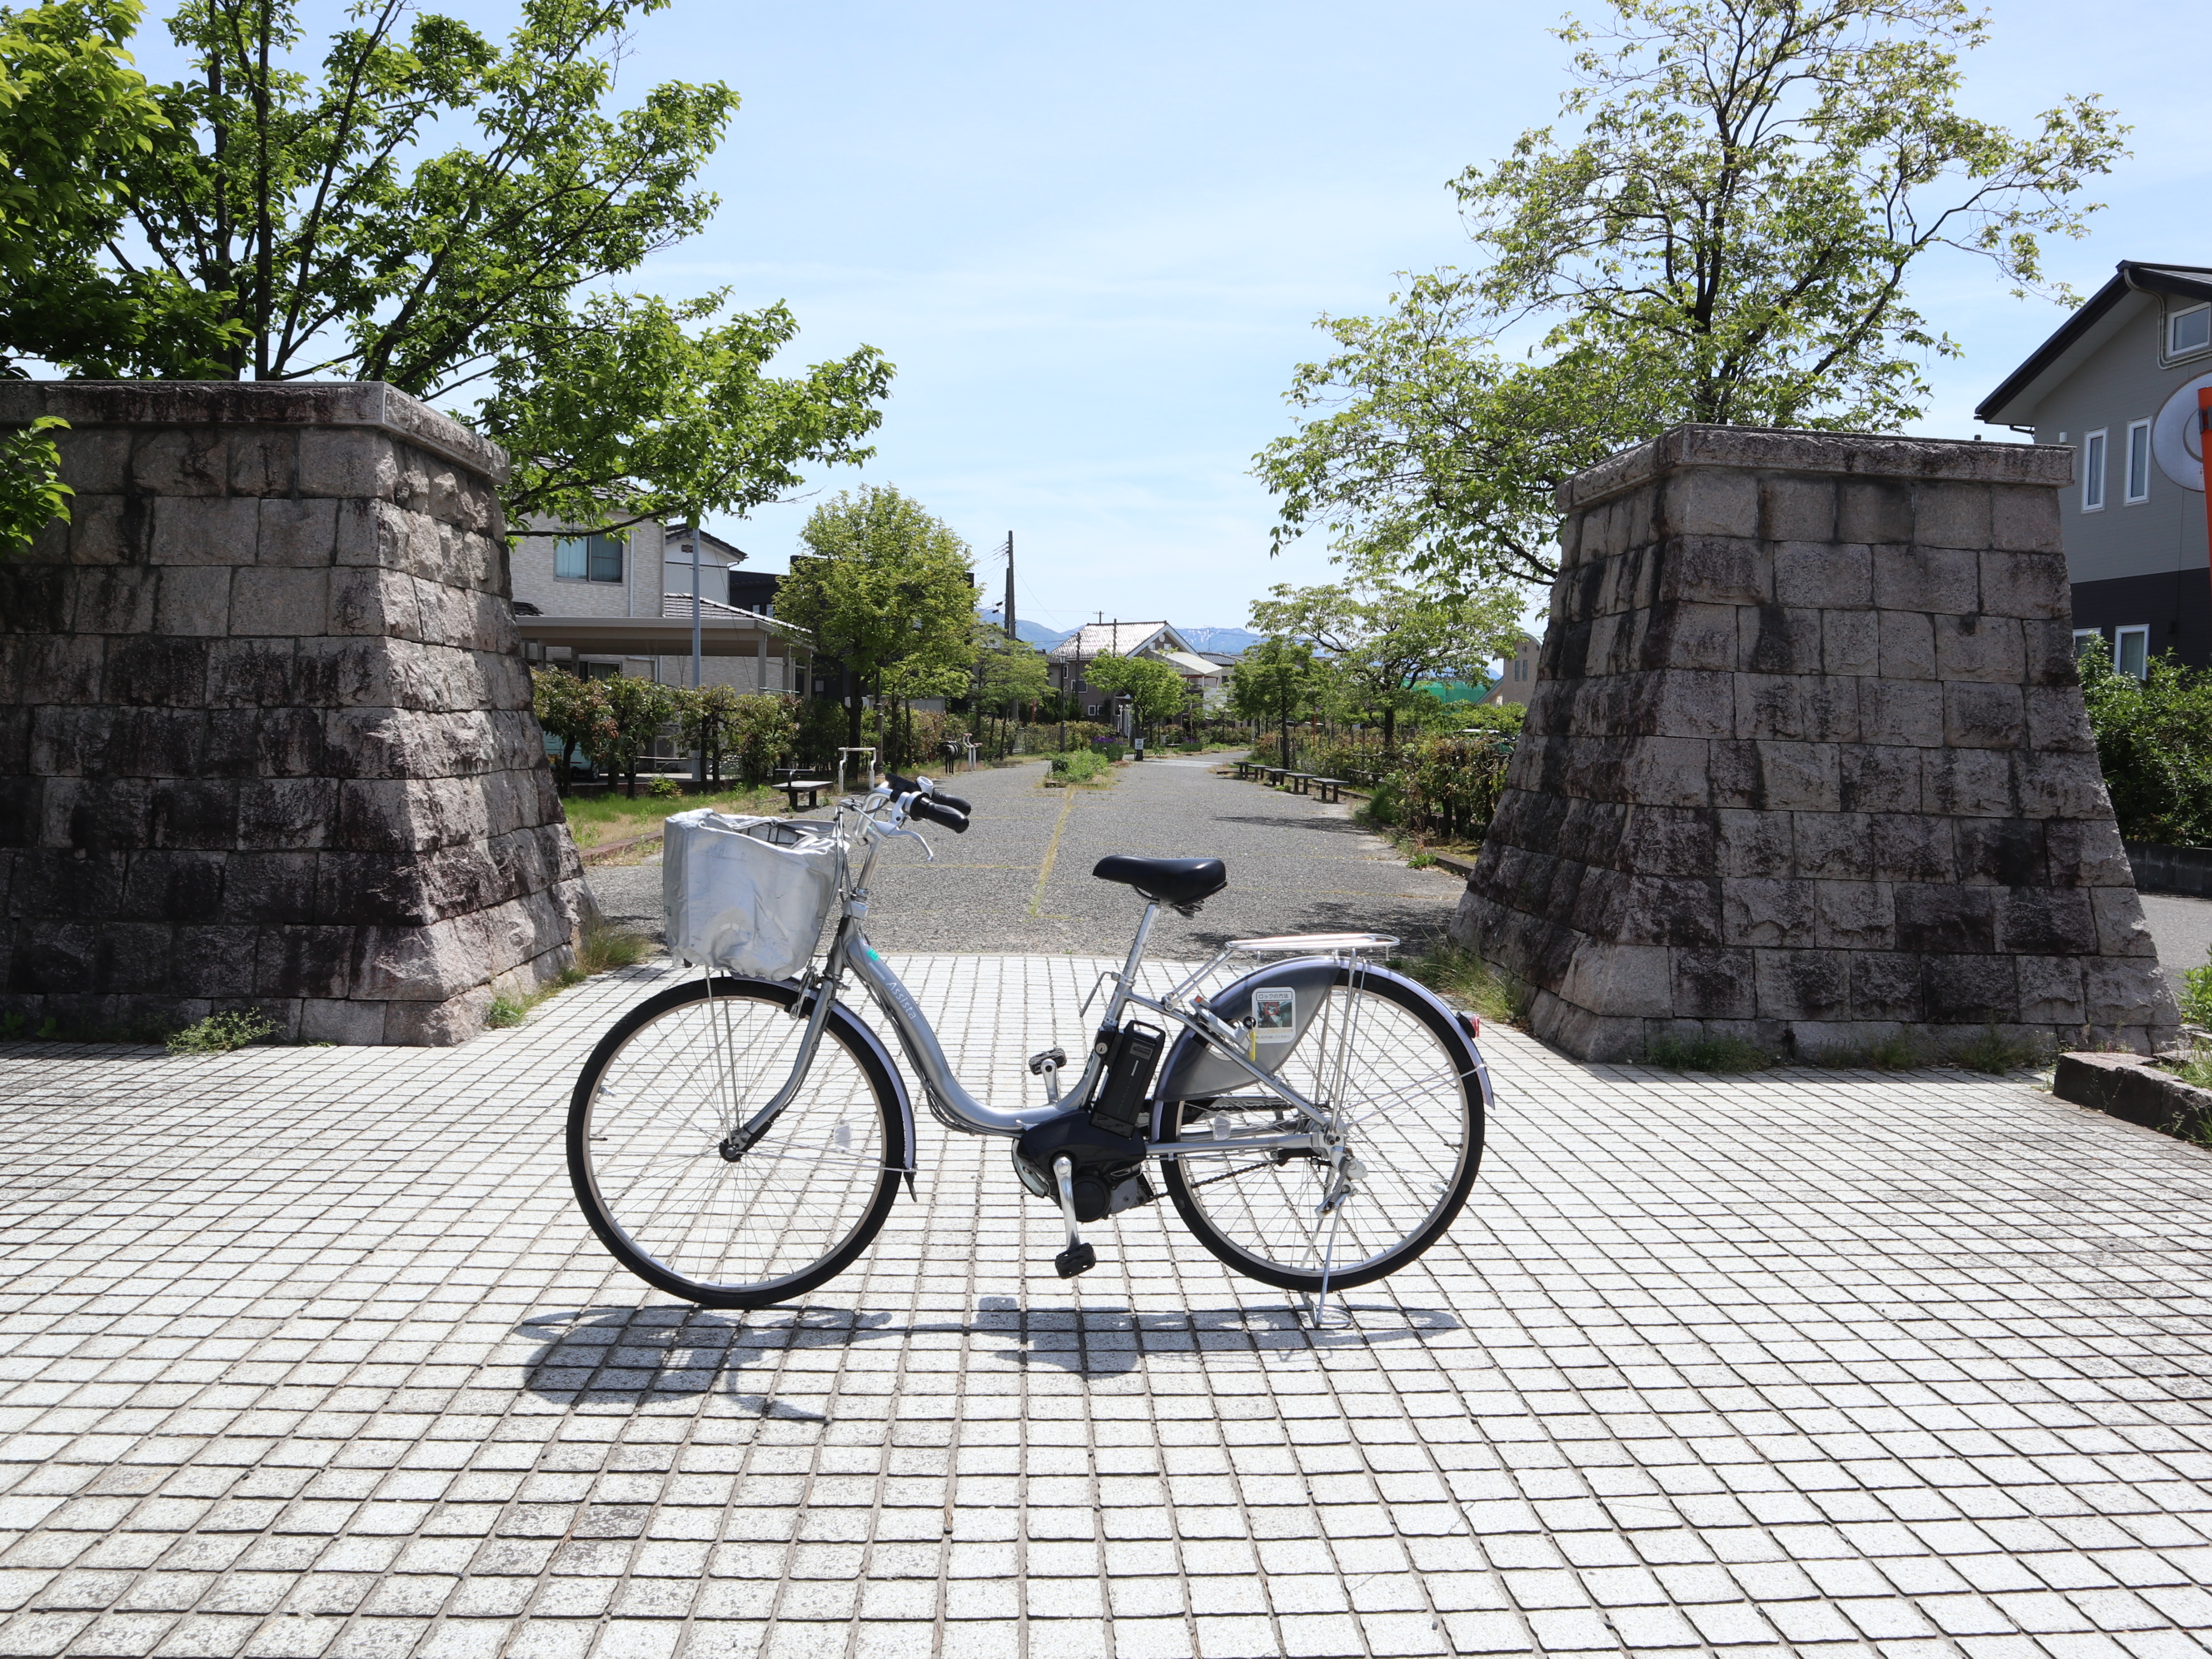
[[1117, 639], [2085, 332], [1190, 662], [711, 546], [677, 607]]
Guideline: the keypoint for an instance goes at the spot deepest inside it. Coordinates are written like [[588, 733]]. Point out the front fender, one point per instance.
[[1194, 1071], [847, 1021]]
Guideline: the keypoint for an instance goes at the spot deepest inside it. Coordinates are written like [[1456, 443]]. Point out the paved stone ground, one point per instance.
[[1020, 878], [305, 1353]]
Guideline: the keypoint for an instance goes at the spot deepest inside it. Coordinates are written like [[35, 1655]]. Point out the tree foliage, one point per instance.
[[1155, 691], [2155, 744], [1013, 674], [1726, 239], [262, 220], [1383, 638], [32, 493], [885, 589], [1275, 680]]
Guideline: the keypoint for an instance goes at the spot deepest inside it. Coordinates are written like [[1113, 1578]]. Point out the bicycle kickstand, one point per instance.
[[1078, 1257]]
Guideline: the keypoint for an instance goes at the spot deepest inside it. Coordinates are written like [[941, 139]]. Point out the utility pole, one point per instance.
[[1009, 550], [698, 754]]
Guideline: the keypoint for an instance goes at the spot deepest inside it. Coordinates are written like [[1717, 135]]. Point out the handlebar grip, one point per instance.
[[952, 801], [937, 812]]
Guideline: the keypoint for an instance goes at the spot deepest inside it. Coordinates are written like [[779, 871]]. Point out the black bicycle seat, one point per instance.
[[1171, 881]]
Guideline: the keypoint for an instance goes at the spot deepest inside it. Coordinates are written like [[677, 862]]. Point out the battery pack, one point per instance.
[[1129, 1068]]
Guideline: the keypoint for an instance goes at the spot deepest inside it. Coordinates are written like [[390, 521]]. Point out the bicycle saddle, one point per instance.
[[1171, 881]]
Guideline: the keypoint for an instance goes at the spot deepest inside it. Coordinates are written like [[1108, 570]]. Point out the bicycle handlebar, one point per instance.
[[937, 812]]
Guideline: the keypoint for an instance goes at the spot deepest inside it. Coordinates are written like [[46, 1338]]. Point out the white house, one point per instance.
[[1064, 662]]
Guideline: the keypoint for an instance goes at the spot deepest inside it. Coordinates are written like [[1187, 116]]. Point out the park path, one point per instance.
[[1020, 879]]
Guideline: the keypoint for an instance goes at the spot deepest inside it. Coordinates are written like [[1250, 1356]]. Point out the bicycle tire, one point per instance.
[[639, 1088], [1280, 1195]]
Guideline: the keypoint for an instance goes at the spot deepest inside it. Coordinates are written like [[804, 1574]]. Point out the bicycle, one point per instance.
[[737, 1141]]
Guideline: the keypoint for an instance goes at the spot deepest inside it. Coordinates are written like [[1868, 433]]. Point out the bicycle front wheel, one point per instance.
[[647, 1123], [1411, 1122]]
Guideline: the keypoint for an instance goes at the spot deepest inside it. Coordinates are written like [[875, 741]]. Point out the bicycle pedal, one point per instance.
[[1075, 1259]]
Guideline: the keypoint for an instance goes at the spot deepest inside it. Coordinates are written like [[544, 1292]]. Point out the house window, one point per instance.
[[2092, 472], [2131, 650], [2189, 331], [2085, 637], [2138, 461], [1520, 668], [588, 559]]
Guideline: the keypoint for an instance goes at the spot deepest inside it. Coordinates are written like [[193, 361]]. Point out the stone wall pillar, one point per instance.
[[267, 740], [1807, 762]]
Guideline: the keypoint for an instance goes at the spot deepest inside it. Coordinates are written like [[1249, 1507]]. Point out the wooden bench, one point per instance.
[[1331, 789], [1275, 774], [812, 789], [1243, 769]]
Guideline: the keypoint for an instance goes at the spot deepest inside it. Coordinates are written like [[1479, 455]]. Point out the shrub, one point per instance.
[[2196, 997], [2155, 742], [1077, 766], [218, 1033], [1451, 784], [506, 1012], [664, 789], [1459, 974]]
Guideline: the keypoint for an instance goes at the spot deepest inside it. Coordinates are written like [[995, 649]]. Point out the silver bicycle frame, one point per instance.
[[948, 1099]]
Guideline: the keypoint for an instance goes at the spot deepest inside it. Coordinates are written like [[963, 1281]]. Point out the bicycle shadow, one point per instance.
[[626, 1355]]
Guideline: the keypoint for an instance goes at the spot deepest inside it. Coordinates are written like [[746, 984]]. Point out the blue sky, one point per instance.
[[1095, 238]]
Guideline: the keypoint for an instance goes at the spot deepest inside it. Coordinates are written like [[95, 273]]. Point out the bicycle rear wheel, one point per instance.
[[646, 1129], [1385, 1057]]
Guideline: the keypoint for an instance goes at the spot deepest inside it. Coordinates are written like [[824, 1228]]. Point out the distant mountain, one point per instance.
[[1036, 634], [1227, 640]]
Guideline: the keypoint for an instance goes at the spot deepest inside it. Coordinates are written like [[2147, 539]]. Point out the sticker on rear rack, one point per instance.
[[1275, 1012]]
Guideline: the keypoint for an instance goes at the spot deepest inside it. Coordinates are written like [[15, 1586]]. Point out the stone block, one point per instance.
[[1943, 919], [374, 602], [2087, 854], [1901, 714], [1887, 985], [195, 532], [109, 530], [2126, 991], [264, 461], [1774, 638], [1999, 852], [1712, 984], [1970, 783], [1850, 642], [1978, 716], [180, 462], [2026, 521], [437, 1024], [193, 600], [1690, 636], [290, 812], [1873, 510], [1976, 647], [1853, 915], [1799, 776], [1912, 846], [157, 671], [1951, 515], [1974, 989], [2120, 929], [2048, 647], [308, 961], [1755, 911], [96, 462], [1753, 843], [1824, 576], [2057, 721], [1664, 772], [1799, 508], [1662, 841], [1803, 985], [299, 534], [346, 1024], [1712, 570], [282, 602], [1905, 641], [1709, 501], [1880, 777], [2050, 991], [2032, 586], [2050, 784], [348, 463], [1833, 846], [2046, 921], [1942, 580], [1684, 703], [114, 601]]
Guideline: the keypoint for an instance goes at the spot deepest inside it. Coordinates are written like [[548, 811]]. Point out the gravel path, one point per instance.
[[1020, 878]]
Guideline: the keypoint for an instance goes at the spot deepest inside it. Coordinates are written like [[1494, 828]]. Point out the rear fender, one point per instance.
[[1196, 1070]]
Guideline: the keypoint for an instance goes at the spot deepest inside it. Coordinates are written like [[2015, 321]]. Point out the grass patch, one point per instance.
[[219, 1034], [1901, 1052], [1465, 977], [1078, 768], [595, 820], [1996, 1052], [1706, 1054], [601, 948], [505, 1012]]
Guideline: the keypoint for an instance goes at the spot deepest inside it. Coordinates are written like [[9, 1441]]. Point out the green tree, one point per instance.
[[1726, 240], [637, 710], [574, 711], [2155, 744], [1278, 680], [886, 590], [1383, 638], [1011, 674], [303, 225], [32, 493], [1155, 691], [759, 727]]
